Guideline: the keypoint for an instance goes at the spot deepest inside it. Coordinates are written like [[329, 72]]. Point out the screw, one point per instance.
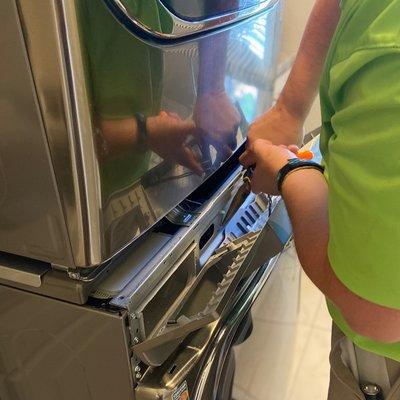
[[137, 368], [135, 340], [138, 375]]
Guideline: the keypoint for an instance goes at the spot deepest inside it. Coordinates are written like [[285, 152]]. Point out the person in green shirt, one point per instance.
[[346, 223]]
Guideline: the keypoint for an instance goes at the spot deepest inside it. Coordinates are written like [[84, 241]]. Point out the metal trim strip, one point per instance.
[[183, 30]]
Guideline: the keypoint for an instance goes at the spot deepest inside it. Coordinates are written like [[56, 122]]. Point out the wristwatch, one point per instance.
[[141, 121], [294, 164]]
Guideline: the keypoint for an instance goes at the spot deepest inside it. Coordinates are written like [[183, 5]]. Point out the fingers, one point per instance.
[[188, 159], [225, 152], [251, 154], [293, 148], [261, 146], [257, 181], [182, 129], [248, 158]]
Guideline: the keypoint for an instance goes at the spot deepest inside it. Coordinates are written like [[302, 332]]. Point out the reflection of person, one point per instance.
[[214, 113], [349, 246], [126, 78]]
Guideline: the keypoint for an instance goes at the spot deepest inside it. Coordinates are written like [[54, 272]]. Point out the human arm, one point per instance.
[[305, 193], [166, 136], [283, 123], [214, 114]]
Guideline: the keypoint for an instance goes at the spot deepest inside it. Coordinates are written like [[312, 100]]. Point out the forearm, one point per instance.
[[302, 85], [305, 194], [212, 69], [213, 53], [120, 135]]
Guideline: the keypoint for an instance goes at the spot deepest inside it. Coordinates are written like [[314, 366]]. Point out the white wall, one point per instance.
[[295, 17]]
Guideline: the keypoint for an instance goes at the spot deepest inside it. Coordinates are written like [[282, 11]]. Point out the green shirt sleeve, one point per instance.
[[364, 174]]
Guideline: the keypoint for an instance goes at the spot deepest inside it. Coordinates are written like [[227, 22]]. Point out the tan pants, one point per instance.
[[345, 368]]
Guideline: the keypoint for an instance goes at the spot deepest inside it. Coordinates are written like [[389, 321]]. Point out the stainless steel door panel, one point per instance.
[[55, 57], [92, 76], [201, 356], [55, 350], [31, 217], [182, 20]]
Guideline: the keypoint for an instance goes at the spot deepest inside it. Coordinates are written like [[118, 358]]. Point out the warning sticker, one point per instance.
[[181, 392]]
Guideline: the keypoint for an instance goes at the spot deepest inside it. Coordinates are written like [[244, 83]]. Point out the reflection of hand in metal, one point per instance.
[[217, 120], [167, 136]]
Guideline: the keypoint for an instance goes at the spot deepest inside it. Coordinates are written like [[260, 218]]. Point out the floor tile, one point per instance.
[[323, 319], [269, 359], [312, 380], [310, 301], [278, 301]]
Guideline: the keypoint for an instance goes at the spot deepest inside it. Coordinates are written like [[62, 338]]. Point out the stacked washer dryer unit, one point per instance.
[[119, 275]]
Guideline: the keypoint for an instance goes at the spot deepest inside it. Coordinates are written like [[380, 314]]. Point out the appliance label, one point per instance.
[[181, 392]]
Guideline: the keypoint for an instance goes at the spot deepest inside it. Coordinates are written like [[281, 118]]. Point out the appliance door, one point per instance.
[[251, 357], [200, 87], [183, 19], [199, 78]]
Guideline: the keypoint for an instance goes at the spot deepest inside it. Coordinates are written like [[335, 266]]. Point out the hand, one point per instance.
[[167, 134], [218, 120], [278, 126], [268, 160]]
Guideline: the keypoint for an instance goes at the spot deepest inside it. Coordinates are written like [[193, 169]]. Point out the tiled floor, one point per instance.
[[286, 355], [310, 372]]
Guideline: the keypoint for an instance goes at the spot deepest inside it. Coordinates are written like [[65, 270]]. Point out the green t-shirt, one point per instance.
[[360, 144]]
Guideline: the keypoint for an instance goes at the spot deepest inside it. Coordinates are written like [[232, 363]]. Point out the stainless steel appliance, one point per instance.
[[77, 187], [119, 277]]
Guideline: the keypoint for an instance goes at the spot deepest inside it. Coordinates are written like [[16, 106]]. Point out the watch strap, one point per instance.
[[141, 121], [295, 164]]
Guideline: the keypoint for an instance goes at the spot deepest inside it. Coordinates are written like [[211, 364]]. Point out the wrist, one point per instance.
[[210, 90], [294, 167], [295, 110]]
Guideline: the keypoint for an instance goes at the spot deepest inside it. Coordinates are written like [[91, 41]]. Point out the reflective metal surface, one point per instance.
[[55, 350], [31, 216], [183, 19], [92, 77], [50, 48], [200, 10]]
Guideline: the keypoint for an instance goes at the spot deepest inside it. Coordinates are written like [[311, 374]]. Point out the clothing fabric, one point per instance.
[[360, 101], [351, 366]]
